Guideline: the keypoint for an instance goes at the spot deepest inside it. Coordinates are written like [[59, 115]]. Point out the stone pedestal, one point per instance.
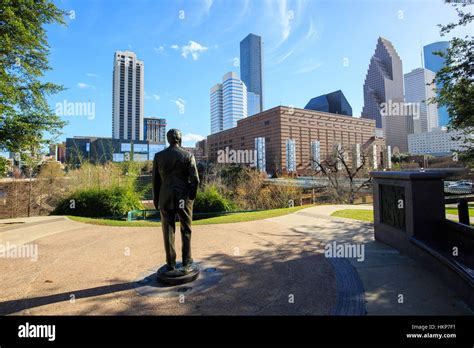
[[180, 276], [407, 205]]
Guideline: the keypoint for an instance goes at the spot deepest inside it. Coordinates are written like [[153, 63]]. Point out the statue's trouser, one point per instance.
[[168, 224]]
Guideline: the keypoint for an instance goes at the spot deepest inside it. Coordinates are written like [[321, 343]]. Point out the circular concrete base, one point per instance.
[[148, 285], [179, 277]]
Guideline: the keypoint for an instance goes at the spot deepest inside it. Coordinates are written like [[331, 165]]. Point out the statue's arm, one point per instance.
[[193, 178], [156, 183]]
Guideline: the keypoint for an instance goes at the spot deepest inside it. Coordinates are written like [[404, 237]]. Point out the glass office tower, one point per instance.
[[435, 63], [251, 65]]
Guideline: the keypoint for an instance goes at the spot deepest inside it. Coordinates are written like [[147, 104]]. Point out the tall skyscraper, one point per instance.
[[234, 100], [127, 96], [228, 102], [419, 89], [334, 102], [434, 63], [155, 129], [251, 65], [217, 113], [383, 95], [253, 103]]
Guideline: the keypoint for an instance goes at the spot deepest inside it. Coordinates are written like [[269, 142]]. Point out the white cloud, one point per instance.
[[180, 104], [301, 43], [282, 17], [201, 11], [159, 49], [308, 68], [83, 85], [91, 75], [285, 17], [194, 49], [175, 47], [207, 6], [190, 137], [154, 96], [312, 31], [284, 57]]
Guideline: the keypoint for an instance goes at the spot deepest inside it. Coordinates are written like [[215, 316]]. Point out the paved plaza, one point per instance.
[[275, 266]]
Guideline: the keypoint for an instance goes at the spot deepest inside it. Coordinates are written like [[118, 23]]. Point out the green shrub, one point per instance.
[[115, 201], [210, 200]]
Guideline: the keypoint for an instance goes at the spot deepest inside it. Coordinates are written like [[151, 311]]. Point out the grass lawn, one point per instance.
[[368, 215], [454, 211], [239, 217], [356, 214]]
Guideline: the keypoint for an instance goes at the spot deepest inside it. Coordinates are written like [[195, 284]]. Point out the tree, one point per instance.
[[51, 171], [49, 185], [4, 164], [24, 112], [342, 175], [456, 80]]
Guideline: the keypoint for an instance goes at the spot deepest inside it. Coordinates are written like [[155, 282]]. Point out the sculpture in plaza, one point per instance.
[[175, 181]]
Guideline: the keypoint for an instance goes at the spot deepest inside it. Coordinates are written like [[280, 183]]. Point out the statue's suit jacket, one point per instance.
[[175, 177]]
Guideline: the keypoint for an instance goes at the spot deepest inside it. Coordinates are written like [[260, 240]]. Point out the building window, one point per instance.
[[266, 123]]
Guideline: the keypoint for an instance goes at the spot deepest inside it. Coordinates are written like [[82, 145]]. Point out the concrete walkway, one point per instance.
[[393, 283], [275, 266], [26, 230]]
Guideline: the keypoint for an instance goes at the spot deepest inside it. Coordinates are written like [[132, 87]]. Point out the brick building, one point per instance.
[[304, 127]]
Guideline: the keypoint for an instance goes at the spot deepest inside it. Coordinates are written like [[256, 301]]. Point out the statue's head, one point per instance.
[[174, 137]]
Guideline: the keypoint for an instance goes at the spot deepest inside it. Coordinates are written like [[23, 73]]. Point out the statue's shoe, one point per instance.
[[174, 272], [188, 268]]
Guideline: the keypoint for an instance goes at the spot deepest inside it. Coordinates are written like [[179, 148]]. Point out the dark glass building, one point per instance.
[[81, 149], [251, 65], [335, 103]]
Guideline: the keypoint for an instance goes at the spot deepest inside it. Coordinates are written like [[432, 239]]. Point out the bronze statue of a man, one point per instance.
[[175, 183]]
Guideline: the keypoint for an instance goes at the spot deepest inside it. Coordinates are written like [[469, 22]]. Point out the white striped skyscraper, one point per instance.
[[228, 103], [216, 109], [127, 96]]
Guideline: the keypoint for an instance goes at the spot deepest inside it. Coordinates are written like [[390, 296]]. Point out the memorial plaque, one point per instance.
[[392, 206]]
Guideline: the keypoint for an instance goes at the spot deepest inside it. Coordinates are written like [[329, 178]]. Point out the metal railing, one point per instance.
[[462, 204]]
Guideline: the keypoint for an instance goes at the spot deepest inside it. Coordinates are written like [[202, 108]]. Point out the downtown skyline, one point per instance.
[[306, 52]]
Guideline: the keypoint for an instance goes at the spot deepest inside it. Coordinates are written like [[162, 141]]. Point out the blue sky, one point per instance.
[[188, 45]]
